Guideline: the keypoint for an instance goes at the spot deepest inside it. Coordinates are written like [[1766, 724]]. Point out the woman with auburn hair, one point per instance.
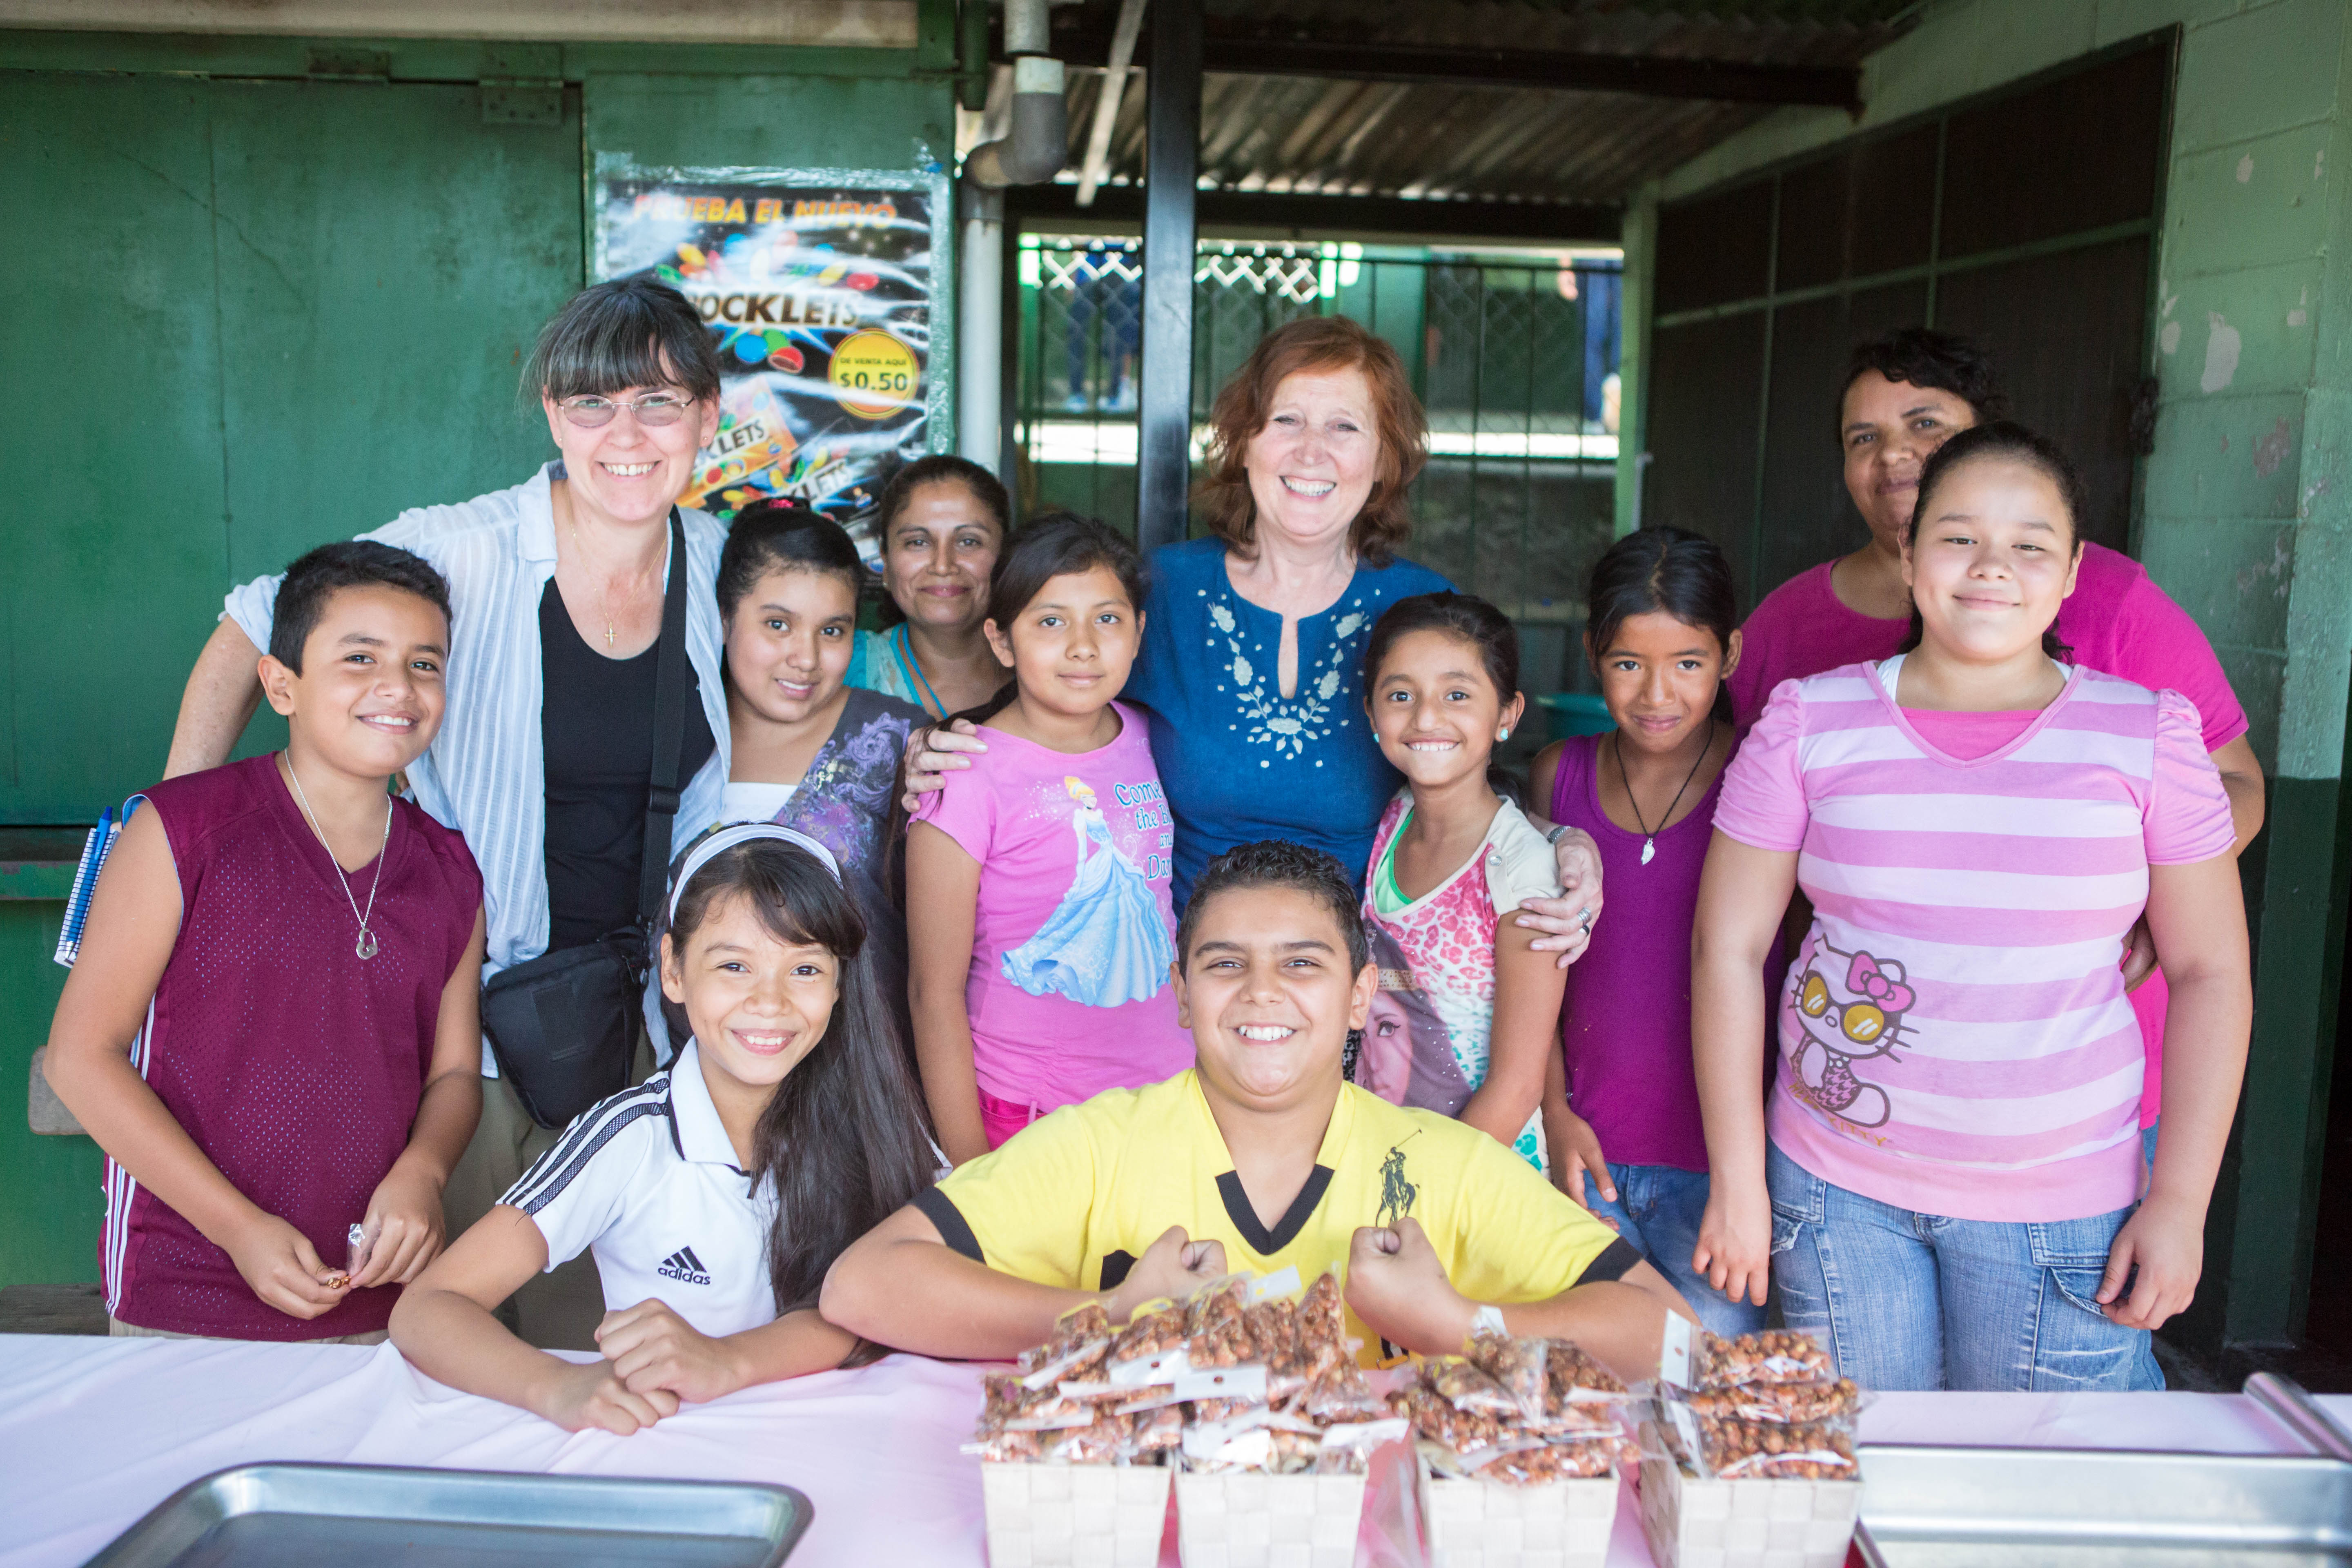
[[1251, 668]]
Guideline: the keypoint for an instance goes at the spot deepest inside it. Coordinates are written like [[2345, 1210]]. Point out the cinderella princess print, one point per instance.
[[1106, 941]]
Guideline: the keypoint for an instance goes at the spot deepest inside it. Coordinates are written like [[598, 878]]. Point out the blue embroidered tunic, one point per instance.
[[1241, 761]]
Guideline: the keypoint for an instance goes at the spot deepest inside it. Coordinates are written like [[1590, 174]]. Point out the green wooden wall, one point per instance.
[[271, 292]]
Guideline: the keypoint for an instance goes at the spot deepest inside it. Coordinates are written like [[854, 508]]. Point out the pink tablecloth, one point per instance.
[[96, 1432], [93, 1433]]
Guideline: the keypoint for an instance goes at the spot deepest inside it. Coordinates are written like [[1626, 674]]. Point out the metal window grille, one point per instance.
[[1511, 356]]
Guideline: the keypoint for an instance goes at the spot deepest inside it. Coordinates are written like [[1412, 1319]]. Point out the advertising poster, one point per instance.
[[820, 289]]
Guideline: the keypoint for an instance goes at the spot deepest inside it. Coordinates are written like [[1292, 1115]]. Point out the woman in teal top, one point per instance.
[[943, 521]]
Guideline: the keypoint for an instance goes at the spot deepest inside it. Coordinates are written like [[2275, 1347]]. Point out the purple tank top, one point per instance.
[[1626, 1022], [294, 1065]]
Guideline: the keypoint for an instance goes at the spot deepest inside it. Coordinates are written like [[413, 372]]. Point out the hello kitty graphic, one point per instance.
[[1851, 1008]]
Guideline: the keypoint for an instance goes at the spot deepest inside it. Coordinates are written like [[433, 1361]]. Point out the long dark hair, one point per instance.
[[2007, 440], [939, 469], [842, 1141], [1669, 571], [1467, 618]]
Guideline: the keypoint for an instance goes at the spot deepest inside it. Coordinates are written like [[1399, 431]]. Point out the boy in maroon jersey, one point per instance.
[[273, 1028]]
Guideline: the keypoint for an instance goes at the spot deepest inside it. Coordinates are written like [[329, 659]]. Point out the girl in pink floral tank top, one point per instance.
[[1441, 672]]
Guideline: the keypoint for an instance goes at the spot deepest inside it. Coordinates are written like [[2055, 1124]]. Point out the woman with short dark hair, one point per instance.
[[545, 760]]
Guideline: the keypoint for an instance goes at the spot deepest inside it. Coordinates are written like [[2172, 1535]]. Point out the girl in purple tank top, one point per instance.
[[1620, 1107]]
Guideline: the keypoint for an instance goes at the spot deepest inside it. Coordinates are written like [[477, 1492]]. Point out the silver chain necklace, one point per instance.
[[365, 946]]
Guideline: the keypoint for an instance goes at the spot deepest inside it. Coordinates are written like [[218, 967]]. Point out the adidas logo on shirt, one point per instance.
[[684, 1266]]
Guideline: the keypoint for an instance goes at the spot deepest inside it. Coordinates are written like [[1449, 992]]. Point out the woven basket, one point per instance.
[[1246, 1518], [1074, 1516], [1488, 1524], [1693, 1523]]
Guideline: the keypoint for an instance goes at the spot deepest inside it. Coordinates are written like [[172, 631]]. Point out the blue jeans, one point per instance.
[[1909, 1300], [1658, 1209]]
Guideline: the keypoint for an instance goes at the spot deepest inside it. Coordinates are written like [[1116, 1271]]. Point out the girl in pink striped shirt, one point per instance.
[[1943, 1185]]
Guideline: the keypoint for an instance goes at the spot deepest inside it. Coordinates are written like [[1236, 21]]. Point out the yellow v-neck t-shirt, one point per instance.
[[1074, 1199]]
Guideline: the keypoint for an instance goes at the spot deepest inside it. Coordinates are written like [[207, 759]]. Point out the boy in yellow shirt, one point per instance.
[[1260, 1156]]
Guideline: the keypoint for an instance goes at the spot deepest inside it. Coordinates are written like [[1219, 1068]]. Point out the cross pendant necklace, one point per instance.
[[603, 598]]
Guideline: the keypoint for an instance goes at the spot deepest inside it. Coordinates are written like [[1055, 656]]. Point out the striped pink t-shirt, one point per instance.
[[1955, 1038]]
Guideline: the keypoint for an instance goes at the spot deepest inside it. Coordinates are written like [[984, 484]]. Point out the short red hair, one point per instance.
[[1316, 343]]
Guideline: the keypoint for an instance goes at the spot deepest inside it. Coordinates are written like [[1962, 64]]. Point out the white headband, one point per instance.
[[728, 837]]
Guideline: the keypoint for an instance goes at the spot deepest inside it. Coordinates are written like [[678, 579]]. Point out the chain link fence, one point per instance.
[[1513, 356]]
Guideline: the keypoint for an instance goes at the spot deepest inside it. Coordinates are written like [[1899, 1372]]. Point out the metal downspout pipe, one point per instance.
[[1033, 150]]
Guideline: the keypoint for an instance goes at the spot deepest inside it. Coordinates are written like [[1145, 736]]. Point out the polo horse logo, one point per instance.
[[1396, 1193]]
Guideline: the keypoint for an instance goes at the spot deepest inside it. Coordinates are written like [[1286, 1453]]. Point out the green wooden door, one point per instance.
[[247, 317], [244, 317]]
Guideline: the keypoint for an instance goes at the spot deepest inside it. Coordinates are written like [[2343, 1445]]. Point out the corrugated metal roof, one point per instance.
[[1429, 139]]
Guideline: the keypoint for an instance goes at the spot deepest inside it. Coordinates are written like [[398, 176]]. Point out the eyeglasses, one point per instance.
[[655, 408]]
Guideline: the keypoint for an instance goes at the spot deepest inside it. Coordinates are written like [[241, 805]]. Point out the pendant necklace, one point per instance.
[[603, 601], [365, 946], [1649, 838]]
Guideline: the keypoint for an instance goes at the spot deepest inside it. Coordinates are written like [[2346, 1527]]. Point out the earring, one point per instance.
[[1501, 734]]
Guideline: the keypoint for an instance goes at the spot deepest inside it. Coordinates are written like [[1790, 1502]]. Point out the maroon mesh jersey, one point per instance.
[[295, 1065]]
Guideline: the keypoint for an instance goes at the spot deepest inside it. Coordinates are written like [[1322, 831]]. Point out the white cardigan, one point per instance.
[[485, 773]]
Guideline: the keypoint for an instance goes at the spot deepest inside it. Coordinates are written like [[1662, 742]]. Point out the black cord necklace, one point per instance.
[[1649, 838]]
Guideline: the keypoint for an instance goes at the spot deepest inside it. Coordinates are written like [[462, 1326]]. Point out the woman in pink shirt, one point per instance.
[[1905, 395], [1946, 1191]]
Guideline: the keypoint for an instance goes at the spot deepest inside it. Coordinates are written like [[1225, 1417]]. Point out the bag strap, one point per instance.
[[671, 670]]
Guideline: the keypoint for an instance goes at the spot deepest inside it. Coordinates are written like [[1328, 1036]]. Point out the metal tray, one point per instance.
[[1926, 1507], [304, 1516]]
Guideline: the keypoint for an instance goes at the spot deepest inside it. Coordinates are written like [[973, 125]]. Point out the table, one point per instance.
[[95, 1432]]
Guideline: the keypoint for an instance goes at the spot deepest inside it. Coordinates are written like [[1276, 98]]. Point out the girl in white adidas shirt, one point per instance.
[[710, 1240]]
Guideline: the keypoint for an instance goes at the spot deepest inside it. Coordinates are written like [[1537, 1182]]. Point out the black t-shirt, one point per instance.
[[596, 721]]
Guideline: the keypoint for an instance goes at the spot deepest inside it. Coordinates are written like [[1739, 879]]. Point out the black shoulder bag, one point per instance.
[[563, 1025]]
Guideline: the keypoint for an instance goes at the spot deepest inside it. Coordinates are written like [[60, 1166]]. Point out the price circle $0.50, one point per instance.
[[873, 374]]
